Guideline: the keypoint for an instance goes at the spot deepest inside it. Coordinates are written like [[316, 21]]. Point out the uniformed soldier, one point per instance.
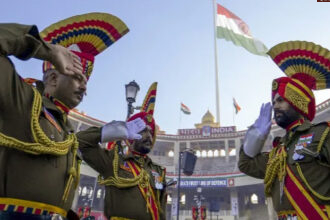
[[296, 171], [39, 167], [135, 186]]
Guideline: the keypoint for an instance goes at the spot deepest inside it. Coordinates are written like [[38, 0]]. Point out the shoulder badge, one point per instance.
[[327, 123], [158, 180], [305, 140]]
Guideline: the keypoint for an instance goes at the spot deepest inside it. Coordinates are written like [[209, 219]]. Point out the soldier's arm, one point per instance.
[[98, 158], [24, 42], [15, 95], [325, 149], [21, 41], [255, 167]]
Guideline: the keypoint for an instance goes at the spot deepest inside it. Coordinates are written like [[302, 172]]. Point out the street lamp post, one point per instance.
[[132, 89]]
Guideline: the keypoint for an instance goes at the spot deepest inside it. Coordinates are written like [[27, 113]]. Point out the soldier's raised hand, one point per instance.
[[264, 121], [257, 134], [65, 61], [121, 130], [134, 127]]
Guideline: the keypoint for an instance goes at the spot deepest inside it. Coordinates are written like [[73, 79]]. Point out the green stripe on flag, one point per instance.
[[250, 44]]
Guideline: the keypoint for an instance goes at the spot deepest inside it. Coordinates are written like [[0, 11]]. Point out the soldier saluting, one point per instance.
[[39, 167], [296, 171], [135, 185]]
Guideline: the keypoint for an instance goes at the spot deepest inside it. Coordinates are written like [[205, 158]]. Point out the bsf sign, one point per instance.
[[203, 183]]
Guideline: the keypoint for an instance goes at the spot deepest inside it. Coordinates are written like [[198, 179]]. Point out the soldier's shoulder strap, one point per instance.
[[160, 167], [325, 132], [323, 123]]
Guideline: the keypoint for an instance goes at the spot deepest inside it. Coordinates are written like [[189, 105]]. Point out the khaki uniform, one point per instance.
[[122, 202], [315, 170], [39, 178]]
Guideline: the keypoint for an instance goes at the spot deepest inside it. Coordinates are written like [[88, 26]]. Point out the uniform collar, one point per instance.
[[305, 126], [49, 105], [57, 113], [302, 127], [60, 105], [137, 157], [294, 125]]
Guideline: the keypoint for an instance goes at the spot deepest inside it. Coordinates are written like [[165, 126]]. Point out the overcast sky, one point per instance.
[[171, 42]]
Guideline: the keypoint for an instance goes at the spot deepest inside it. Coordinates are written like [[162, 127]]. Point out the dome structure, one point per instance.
[[208, 117], [208, 120]]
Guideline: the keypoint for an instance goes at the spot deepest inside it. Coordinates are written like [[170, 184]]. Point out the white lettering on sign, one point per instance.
[[203, 183], [206, 131]]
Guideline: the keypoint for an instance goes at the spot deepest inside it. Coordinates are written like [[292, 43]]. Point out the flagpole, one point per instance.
[[180, 112], [216, 63], [234, 111]]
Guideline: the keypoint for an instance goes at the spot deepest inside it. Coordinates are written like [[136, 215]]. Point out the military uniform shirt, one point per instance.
[[315, 170]]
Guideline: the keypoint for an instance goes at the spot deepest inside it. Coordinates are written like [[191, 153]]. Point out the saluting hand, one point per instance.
[[134, 127], [256, 135], [263, 123], [65, 61]]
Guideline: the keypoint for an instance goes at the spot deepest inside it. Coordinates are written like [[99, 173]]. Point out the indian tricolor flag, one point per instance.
[[232, 28], [185, 109], [236, 106]]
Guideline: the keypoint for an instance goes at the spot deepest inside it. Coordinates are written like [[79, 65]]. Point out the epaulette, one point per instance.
[[327, 123], [158, 165], [30, 81], [38, 84]]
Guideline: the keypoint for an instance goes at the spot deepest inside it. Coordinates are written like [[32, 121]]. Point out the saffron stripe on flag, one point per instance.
[[236, 106]]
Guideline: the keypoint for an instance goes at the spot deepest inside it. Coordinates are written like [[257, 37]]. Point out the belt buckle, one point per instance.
[[56, 217]]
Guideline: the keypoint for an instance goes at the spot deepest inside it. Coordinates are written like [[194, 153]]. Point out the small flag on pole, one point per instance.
[[236, 106], [185, 109], [232, 28]]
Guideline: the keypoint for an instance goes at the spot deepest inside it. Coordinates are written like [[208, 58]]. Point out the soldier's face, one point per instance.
[[70, 89], [284, 113], [144, 145]]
